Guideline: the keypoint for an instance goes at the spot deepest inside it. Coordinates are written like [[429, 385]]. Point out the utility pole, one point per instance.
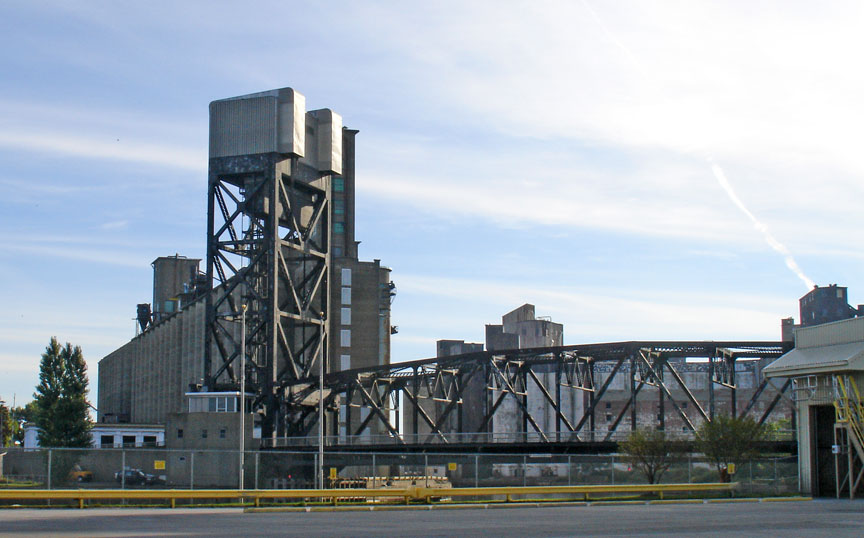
[[242, 398]]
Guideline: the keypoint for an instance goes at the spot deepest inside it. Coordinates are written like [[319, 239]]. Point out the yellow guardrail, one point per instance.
[[335, 495], [584, 491]]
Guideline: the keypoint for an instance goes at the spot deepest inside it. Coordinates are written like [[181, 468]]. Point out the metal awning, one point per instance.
[[818, 360]]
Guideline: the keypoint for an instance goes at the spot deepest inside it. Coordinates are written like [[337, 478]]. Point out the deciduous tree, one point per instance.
[[650, 451], [729, 440]]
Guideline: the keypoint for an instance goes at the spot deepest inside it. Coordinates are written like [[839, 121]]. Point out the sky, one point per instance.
[[638, 170]]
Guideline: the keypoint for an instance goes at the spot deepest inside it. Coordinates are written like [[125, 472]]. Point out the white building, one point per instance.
[[111, 436], [827, 369]]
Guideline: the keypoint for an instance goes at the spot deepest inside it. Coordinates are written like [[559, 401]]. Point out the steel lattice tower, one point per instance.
[[268, 236]]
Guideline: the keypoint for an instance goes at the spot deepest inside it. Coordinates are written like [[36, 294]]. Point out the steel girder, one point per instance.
[[437, 397], [268, 238]]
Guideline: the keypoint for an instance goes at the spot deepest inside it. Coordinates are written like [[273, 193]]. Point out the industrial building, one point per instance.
[[281, 257], [827, 370], [521, 329], [284, 334]]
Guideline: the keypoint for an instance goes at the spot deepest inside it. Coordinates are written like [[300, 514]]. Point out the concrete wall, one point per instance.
[[211, 432], [146, 379], [365, 300]]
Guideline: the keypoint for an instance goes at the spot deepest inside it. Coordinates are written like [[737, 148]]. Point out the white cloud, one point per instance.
[[625, 314], [767, 90], [80, 146], [101, 256]]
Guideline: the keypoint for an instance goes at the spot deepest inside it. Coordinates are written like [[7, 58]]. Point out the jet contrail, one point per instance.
[[779, 247], [627, 52]]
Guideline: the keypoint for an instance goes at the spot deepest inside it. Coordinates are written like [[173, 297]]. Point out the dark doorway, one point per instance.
[[823, 472]]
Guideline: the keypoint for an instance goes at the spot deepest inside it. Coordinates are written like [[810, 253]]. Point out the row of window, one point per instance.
[[222, 433], [214, 404], [109, 441], [345, 314]]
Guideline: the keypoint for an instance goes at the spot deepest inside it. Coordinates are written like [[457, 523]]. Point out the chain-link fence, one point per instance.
[[277, 469]]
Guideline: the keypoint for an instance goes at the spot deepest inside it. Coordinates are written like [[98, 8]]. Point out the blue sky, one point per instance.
[[558, 153]]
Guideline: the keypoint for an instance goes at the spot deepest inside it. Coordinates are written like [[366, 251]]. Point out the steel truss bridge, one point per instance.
[[452, 403]]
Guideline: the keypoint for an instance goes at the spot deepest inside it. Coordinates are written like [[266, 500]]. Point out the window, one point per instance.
[[203, 434], [179, 433], [338, 227], [338, 184], [346, 295], [106, 441], [346, 276], [338, 207], [608, 417], [128, 440], [344, 362], [337, 251], [608, 405], [345, 337], [346, 316], [149, 440], [211, 405], [222, 433]]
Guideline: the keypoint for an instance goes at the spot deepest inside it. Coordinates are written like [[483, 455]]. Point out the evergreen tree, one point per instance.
[[6, 425], [61, 397]]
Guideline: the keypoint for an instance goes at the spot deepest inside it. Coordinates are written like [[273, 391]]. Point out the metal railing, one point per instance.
[[484, 438]]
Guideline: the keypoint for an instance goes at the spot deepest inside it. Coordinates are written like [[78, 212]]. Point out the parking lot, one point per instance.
[[836, 518]]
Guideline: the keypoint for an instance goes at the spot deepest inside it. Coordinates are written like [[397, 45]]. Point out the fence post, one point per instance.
[[191, 470], [774, 482], [751, 476], [476, 470], [569, 469], [256, 469], [49, 468], [689, 468], [426, 469], [613, 469], [374, 472], [123, 470], [524, 470]]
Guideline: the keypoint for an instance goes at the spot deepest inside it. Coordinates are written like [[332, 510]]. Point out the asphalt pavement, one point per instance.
[[821, 517]]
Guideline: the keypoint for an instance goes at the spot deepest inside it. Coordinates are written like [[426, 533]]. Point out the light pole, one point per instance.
[[3, 411], [242, 398], [321, 421]]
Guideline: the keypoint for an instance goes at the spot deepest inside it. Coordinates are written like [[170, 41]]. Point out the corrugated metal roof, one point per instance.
[[815, 360]]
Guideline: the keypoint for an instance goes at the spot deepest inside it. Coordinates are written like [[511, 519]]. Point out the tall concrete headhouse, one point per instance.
[[158, 377]]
